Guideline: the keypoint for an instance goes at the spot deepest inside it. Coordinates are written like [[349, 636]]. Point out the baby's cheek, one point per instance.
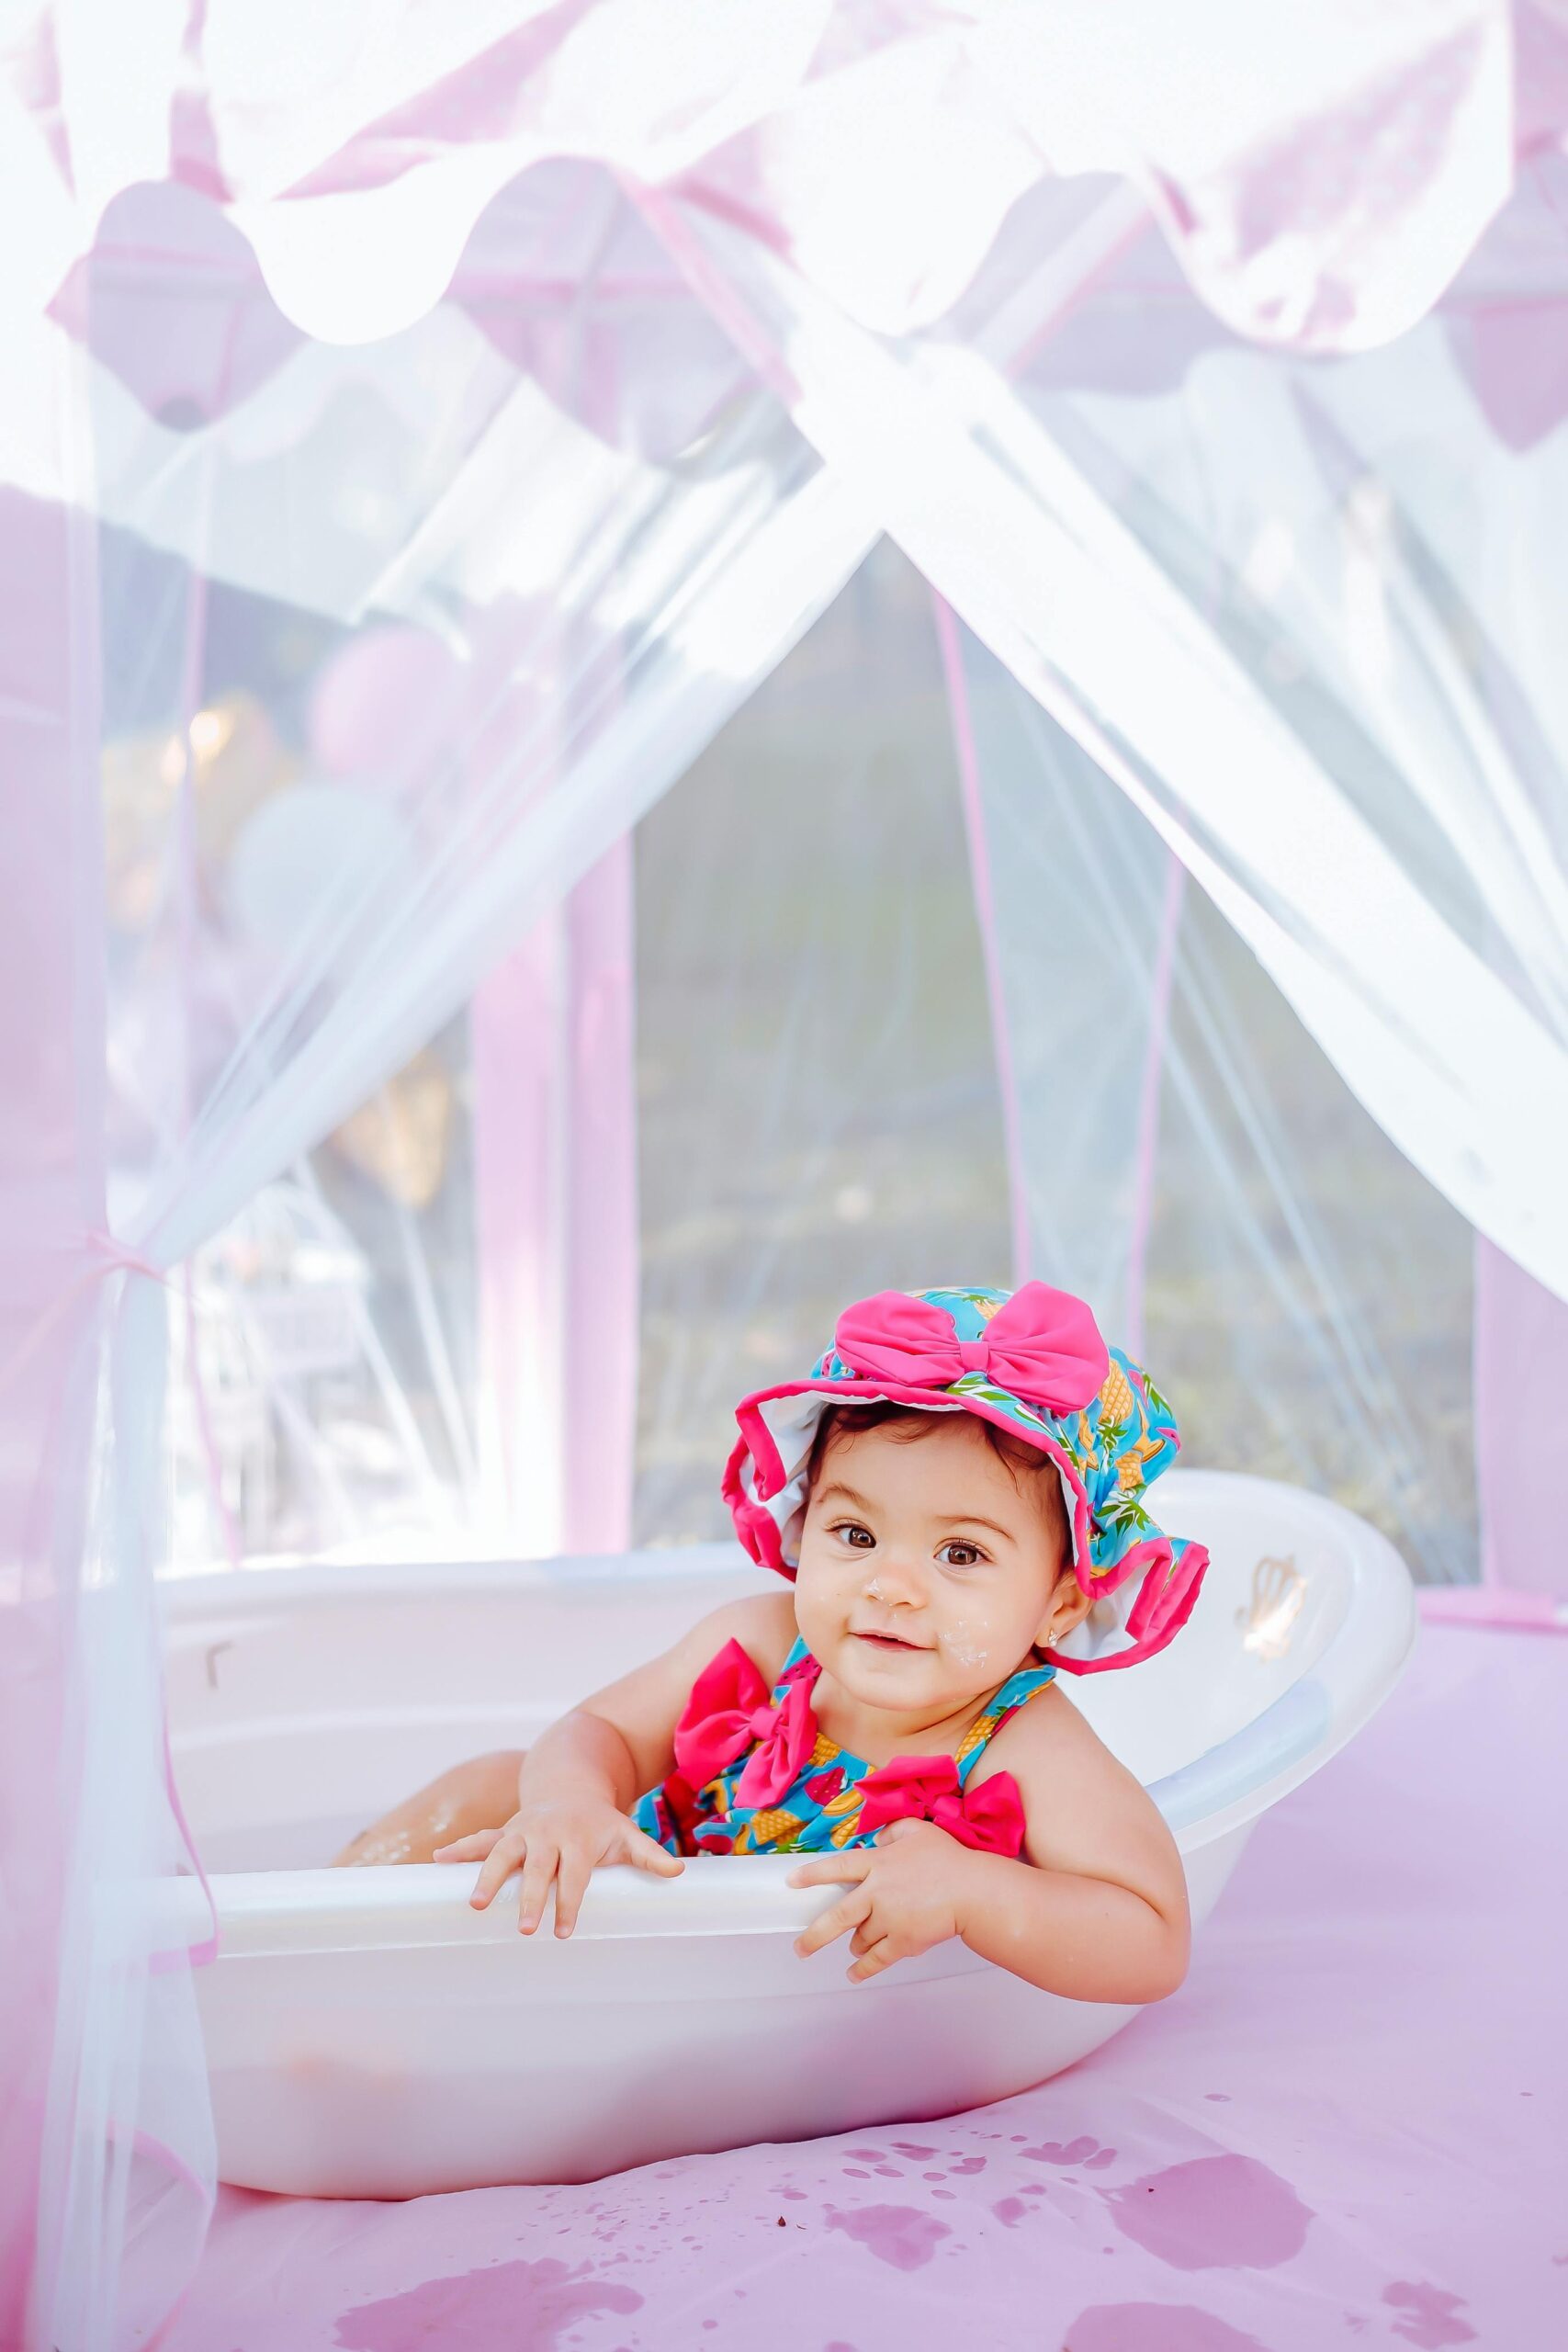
[[817, 1604], [987, 1634], [824, 1568], [970, 1634]]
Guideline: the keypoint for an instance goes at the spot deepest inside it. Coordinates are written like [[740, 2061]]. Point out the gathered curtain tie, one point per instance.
[[926, 1788], [116, 1257], [731, 1707], [1043, 1346], [105, 1256]]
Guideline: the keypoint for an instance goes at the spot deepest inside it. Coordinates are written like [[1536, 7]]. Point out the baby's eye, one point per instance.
[[854, 1534], [969, 1554]]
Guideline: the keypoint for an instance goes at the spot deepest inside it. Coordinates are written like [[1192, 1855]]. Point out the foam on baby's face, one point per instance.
[[930, 1567]]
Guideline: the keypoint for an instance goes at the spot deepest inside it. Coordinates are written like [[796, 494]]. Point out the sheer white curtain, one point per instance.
[[1420, 1009], [1189, 1163], [603, 610], [830, 1102], [51, 1202], [819, 1111]]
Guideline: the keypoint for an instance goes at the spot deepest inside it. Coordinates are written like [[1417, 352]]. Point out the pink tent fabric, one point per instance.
[[881, 144], [1335, 2133]]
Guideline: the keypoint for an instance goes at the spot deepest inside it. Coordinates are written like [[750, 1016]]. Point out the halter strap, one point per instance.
[[1014, 1693]]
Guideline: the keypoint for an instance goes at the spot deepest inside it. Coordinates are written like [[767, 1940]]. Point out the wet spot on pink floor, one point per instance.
[[1012, 2210], [524, 2305], [1428, 2316], [1154, 2327], [970, 2163], [911, 2148], [1063, 2152], [1215, 2214], [900, 2235]]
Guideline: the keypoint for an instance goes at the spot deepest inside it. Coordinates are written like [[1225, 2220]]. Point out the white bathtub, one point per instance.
[[369, 2034]]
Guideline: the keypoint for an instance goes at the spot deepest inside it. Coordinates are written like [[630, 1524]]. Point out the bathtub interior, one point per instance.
[[305, 1701]]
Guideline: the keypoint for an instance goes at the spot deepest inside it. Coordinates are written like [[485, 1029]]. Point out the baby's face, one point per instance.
[[928, 1570]]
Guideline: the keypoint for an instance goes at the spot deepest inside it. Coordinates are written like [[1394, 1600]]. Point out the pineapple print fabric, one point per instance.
[[822, 1804]]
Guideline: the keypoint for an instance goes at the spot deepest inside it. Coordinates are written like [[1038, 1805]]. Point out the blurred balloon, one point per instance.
[[140, 776], [382, 699], [237, 761], [308, 846], [401, 1135]]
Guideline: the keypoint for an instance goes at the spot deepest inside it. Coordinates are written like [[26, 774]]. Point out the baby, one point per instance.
[[956, 1495]]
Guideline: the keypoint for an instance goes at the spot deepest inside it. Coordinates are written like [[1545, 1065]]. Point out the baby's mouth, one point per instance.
[[885, 1641]]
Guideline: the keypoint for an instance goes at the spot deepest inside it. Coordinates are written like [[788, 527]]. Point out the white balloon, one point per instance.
[[309, 847]]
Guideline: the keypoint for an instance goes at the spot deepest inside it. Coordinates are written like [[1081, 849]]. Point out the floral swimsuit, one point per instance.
[[753, 1774]]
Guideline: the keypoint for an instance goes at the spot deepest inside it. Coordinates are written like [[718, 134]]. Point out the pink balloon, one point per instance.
[[378, 701]]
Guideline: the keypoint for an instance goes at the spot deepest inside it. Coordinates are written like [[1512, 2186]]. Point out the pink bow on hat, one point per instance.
[[729, 1707], [1042, 1345], [925, 1788]]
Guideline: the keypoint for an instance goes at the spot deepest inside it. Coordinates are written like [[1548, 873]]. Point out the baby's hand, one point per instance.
[[560, 1843], [907, 1895]]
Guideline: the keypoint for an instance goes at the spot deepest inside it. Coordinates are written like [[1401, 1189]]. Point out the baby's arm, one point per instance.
[[580, 1776], [1097, 1909]]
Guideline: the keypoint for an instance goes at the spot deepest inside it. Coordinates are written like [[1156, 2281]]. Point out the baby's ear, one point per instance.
[[1069, 1606]]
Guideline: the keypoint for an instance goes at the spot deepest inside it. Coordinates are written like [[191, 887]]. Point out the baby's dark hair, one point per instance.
[[908, 1423]]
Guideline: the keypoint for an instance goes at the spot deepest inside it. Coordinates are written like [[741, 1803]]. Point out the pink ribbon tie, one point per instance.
[[926, 1788], [1044, 1345], [731, 1707]]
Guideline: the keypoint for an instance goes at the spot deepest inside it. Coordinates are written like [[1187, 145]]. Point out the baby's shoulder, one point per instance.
[[1087, 1813], [1047, 1729], [763, 1625]]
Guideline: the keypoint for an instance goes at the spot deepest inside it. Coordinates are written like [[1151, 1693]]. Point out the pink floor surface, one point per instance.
[[1351, 2128]]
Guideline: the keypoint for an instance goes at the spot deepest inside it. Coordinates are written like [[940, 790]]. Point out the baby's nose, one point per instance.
[[896, 1579]]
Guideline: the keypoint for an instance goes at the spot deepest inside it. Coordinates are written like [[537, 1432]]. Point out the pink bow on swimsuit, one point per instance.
[[925, 1788], [729, 1707], [1043, 1346]]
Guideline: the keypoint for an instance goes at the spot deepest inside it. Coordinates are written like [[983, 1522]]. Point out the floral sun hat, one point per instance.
[[1032, 1362]]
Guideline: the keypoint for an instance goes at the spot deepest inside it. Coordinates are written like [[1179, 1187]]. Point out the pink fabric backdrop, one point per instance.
[[1349, 2128], [555, 1154]]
